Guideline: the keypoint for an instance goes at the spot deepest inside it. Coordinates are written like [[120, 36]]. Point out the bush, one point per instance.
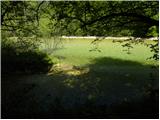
[[24, 62]]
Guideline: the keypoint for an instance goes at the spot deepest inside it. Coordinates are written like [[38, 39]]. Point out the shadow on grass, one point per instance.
[[111, 88]]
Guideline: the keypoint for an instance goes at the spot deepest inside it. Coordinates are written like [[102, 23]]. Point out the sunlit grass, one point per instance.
[[78, 51]]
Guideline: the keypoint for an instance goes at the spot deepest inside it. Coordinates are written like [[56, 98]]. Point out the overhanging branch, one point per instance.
[[142, 18]]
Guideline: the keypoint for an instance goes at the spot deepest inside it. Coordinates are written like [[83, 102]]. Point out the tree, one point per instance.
[[108, 17], [83, 18]]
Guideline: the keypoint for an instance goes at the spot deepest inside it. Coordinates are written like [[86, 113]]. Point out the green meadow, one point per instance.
[[79, 52]]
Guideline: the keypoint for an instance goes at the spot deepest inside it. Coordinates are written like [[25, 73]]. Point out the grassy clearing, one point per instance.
[[112, 63], [77, 52], [108, 84]]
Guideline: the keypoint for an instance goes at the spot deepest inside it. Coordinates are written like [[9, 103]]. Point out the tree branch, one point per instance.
[[37, 11], [142, 18]]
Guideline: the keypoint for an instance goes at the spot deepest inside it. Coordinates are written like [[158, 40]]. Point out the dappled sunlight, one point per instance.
[[70, 82], [74, 72], [68, 69], [109, 80], [101, 87], [78, 72]]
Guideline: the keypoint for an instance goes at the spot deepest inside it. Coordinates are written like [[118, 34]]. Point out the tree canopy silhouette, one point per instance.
[[136, 18]]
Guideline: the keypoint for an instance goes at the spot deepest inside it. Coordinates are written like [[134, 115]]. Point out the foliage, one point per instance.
[[19, 18], [101, 18], [155, 50], [20, 29], [153, 31], [107, 18], [153, 46], [16, 59]]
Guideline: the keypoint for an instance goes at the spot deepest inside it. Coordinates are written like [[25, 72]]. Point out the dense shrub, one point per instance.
[[31, 61]]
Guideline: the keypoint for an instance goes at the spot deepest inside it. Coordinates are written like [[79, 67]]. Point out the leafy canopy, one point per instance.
[[101, 18]]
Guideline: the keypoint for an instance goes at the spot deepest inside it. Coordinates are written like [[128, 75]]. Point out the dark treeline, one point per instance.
[[100, 18]]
